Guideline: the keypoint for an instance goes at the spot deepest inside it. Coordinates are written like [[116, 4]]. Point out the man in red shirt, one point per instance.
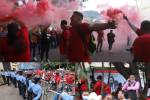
[[15, 46], [80, 36], [141, 45], [98, 85], [64, 40]]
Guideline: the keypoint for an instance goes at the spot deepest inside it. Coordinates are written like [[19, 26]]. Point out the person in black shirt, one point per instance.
[[45, 44], [110, 39]]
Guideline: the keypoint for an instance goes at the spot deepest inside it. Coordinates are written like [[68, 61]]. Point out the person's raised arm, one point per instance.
[[102, 26], [133, 27]]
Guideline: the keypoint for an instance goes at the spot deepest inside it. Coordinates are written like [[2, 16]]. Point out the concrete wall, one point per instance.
[[1, 66]]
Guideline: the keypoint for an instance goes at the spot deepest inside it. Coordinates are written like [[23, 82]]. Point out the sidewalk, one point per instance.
[[9, 93]]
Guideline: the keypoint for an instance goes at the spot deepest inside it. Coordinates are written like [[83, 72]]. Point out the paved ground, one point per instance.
[[9, 93], [120, 55]]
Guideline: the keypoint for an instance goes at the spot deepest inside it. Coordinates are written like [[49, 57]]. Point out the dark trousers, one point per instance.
[[132, 94], [110, 45], [33, 49], [7, 80], [4, 79], [14, 82], [99, 46], [23, 87], [19, 87], [44, 50], [29, 95], [11, 79]]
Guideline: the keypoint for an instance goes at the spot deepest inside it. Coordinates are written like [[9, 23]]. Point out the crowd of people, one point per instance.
[[30, 83], [28, 88], [19, 41], [99, 90]]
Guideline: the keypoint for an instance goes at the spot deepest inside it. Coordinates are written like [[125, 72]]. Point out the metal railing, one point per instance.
[[50, 92]]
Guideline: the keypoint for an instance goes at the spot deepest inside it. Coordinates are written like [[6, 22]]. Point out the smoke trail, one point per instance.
[[42, 12], [123, 31]]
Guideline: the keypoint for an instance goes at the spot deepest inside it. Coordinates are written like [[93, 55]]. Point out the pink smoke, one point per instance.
[[111, 13], [44, 12], [123, 30], [5, 8]]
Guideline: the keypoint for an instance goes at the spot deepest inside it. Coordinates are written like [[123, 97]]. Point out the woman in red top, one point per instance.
[[15, 46]]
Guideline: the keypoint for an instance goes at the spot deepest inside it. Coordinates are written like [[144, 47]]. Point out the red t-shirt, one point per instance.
[[57, 79], [107, 89], [63, 42], [141, 48], [97, 87], [100, 36], [8, 51], [77, 51], [84, 87]]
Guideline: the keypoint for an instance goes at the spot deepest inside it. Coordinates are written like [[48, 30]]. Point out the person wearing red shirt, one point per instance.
[[100, 39], [57, 78], [98, 85], [107, 89], [70, 79], [80, 36], [141, 47], [63, 46], [15, 46], [84, 86]]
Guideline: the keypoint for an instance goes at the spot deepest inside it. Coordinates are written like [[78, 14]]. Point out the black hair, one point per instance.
[[63, 22], [12, 32], [99, 77], [132, 74], [78, 13], [36, 80], [20, 72], [145, 26], [111, 30]]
